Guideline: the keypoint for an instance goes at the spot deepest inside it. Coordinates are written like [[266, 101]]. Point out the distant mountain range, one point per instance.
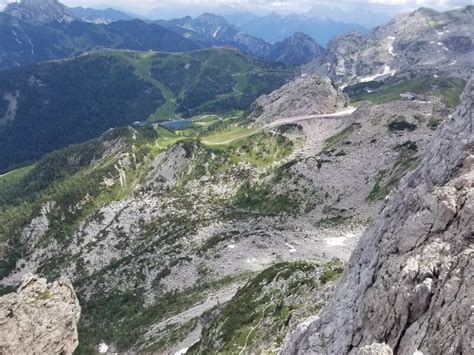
[[367, 15], [275, 27], [104, 16], [209, 29], [37, 30], [46, 11], [26, 43]]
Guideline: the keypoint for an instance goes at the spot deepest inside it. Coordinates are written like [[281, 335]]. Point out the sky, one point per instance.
[[258, 6]]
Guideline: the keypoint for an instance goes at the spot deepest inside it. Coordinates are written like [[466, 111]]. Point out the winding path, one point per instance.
[[286, 120]]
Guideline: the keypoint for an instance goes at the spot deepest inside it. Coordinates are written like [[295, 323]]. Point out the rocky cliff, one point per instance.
[[441, 42], [40, 318], [409, 282]]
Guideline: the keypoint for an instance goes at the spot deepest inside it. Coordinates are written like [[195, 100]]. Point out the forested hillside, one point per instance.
[[25, 43], [51, 105]]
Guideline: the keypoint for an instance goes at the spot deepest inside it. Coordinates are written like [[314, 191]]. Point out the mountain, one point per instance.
[[274, 27], [423, 40], [159, 229], [224, 230], [55, 104], [24, 43], [367, 15], [209, 29], [296, 50], [30, 314], [238, 18], [40, 11], [411, 270], [47, 11], [104, 16]]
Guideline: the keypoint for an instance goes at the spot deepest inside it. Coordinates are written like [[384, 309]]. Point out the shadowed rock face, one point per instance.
[[40, 318], [296, 50], [409, 282]]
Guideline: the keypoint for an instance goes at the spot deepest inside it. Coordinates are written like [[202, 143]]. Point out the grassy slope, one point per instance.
[[259, 315], [447, 89], [243, 78], [77, 99]]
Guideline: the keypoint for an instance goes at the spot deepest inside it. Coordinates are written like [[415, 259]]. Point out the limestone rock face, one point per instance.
[[410, 281], [308, 95], [40, 318], [375, 349], [442, 42]]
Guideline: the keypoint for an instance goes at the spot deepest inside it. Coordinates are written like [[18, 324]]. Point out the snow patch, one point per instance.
[[291, 248], [335, 241], [16, 37], [216, 32], [10, 115], [386, 71], [182, 351], [103, 348], [390, 45]]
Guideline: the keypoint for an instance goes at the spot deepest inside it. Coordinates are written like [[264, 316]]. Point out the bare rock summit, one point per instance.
[[40, 318], [306, 95]]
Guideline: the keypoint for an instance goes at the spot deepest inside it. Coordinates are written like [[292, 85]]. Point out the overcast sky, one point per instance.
[[143, 6]]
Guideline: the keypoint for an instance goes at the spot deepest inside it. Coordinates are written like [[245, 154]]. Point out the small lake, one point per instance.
[[177, 124]]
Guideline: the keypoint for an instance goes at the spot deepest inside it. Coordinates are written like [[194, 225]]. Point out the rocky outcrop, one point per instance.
[[375, 349], [40, 318], [307, 95], [409, 283]]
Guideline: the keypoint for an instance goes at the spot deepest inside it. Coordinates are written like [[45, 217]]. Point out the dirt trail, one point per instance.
[[287, 120]]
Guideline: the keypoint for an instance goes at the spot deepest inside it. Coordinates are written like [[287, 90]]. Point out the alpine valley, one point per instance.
[[185, 187]]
